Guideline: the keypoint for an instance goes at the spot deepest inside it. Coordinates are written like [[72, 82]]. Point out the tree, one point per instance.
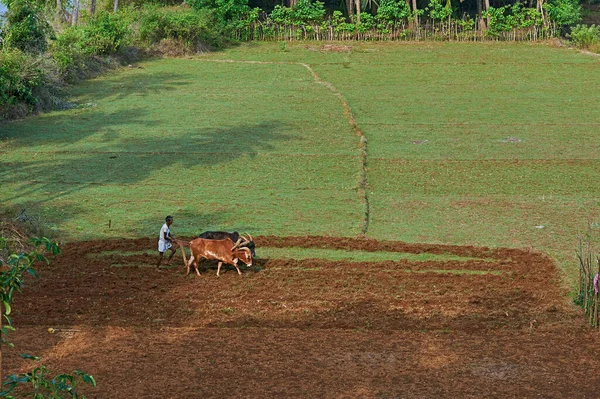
[[563, 12], [415, 13], [26, 26], [75, 15]]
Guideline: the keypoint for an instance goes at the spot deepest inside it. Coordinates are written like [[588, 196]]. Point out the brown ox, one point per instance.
[[225, 251]]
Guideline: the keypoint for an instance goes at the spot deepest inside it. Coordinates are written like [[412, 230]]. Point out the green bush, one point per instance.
[[563, 12], [438, 11], [367, 23], [19, 77], [392, 11], [187, 26], [303, 13], [69, 53], [39, 384], [224, 10], [26, 27], [307, 12], [76, 49], [584, 36], [106, 33]]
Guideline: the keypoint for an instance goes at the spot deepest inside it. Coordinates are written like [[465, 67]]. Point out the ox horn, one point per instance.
[[249, 237], [246, 241], [237, 244]]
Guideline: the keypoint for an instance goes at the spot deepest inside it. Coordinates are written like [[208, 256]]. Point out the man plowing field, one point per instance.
[[165, 241]]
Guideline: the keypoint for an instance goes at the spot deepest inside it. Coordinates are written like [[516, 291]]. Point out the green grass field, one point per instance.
[[488, 144]]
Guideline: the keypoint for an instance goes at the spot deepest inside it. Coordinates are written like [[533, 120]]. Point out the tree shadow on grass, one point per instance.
[[44, 180], [45, 160], [61, 130], [133, 82], [72, 126]]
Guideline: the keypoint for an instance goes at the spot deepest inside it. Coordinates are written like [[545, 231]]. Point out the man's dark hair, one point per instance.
[[168, 218]]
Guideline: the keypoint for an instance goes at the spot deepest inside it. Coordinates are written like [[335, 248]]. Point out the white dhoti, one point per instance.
[[163, 246]]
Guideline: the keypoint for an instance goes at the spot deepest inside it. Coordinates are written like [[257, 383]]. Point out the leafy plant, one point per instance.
[[106, 33], [26, 27], [498, 20], [304, 12], [12, 279], [584, 36], [366, 24], [282, 15], [392, 11], [37, 383], [225, 10], [19, 77], [563, 12], [438, 11], [524, 17], [190, 27]]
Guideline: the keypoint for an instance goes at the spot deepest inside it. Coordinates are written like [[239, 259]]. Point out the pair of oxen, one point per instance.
[[225, 247]]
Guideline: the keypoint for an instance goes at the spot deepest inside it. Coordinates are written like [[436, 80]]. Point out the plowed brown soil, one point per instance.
[[310, 328]]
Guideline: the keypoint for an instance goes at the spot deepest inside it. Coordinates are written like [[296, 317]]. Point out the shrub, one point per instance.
[[307, 12], [69, 53], [563, 12], [367, 23], [26, 27], [525, 17], [392, 11], [224, 10], [76, 49], [19, 77], [282, 15], [106, 33], [191, 28], [303, 13], [38, 383], [584, 36], [438, 11]]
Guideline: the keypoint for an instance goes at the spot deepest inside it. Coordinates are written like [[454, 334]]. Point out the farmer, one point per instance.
[[165, 241]]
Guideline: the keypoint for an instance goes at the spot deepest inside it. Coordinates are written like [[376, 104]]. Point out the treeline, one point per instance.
[[46, 44]]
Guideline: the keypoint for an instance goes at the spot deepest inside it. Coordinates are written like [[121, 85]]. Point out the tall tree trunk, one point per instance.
[[350, 7], [116, 7], [540, 8], [410, 22], [58, 16], [487, 8], [480, 14], [93, 7], [75, 15], [357, 3], [414, 8], [293, 3]]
